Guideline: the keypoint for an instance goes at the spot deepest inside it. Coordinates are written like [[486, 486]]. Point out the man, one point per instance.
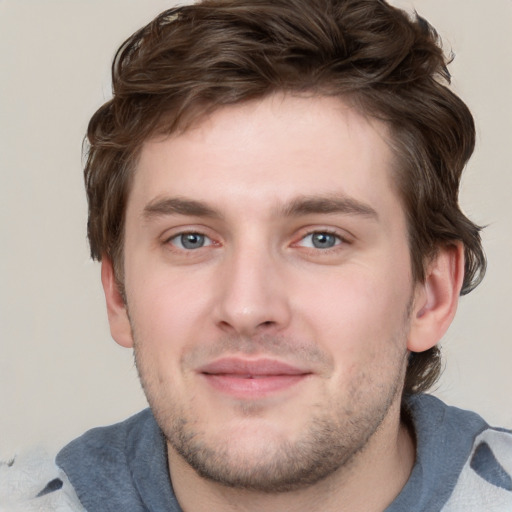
[[273, 197]]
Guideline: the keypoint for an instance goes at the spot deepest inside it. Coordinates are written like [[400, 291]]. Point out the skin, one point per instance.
[[271, 234]]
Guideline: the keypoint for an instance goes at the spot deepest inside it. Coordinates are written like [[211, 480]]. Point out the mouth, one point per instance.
[[249, 379]]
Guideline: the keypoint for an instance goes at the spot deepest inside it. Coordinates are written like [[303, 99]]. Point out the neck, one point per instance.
[[369, 483]]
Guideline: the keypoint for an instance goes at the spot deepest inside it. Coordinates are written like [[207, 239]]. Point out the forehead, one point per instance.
[[269, 152]]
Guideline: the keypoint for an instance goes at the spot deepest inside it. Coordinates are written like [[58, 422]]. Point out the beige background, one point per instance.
[[60, 373]]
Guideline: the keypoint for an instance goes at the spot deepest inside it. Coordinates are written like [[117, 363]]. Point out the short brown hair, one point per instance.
[[193, 59]]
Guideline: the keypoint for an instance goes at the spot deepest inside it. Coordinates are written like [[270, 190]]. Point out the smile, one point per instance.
[[250, 379]]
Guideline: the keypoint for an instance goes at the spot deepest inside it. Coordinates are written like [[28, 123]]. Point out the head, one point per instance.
[[193, 60], [273, 189]]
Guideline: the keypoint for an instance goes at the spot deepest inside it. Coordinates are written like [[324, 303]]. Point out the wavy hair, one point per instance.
[[194, 59]]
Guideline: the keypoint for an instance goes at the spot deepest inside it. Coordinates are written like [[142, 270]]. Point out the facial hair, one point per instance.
[[336, 431]]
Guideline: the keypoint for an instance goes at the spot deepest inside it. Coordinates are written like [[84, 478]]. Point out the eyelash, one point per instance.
[[190, 233], [340, 241]]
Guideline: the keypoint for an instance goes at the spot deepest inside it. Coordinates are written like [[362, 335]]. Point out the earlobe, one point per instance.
[[436, 300], [118, 319]]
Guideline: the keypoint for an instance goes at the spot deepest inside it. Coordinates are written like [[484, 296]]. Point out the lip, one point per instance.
[[246, 379]]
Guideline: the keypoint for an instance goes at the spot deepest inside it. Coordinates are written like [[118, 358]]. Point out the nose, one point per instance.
[[252, 297]]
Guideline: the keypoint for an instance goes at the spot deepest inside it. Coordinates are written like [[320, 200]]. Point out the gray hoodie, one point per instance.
[[462, 465]]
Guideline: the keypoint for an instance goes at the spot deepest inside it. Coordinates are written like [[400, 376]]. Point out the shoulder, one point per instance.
[[87, 472], [485, 482], [467, 461], [106, 465], [33, 482]]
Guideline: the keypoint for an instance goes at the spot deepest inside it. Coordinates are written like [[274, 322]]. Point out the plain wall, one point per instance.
[[60, 372]]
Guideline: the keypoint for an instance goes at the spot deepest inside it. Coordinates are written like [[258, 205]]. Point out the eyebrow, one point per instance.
[[304, 205], [329, 204], [178, 206]]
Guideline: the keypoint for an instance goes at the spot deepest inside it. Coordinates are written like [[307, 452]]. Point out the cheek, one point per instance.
[[166, 311], [362, 324], [358, 309]]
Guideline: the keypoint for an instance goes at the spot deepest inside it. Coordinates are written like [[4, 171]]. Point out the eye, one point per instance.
[[190, 241], [320, 240]]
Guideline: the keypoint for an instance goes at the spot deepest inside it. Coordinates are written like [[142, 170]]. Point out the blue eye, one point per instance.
[[190, 241], [320, 240]]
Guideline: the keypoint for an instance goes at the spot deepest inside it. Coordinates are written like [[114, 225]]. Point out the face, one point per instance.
[[268, 286]]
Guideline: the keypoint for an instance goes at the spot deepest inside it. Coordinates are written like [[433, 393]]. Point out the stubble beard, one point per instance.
[[330, 443], [327, 446]]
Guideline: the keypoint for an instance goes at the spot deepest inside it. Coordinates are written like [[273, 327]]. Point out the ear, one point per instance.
[[120, 328], [436, 299]]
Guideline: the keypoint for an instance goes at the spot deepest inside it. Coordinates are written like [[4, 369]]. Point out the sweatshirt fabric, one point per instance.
[[462, 464]]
